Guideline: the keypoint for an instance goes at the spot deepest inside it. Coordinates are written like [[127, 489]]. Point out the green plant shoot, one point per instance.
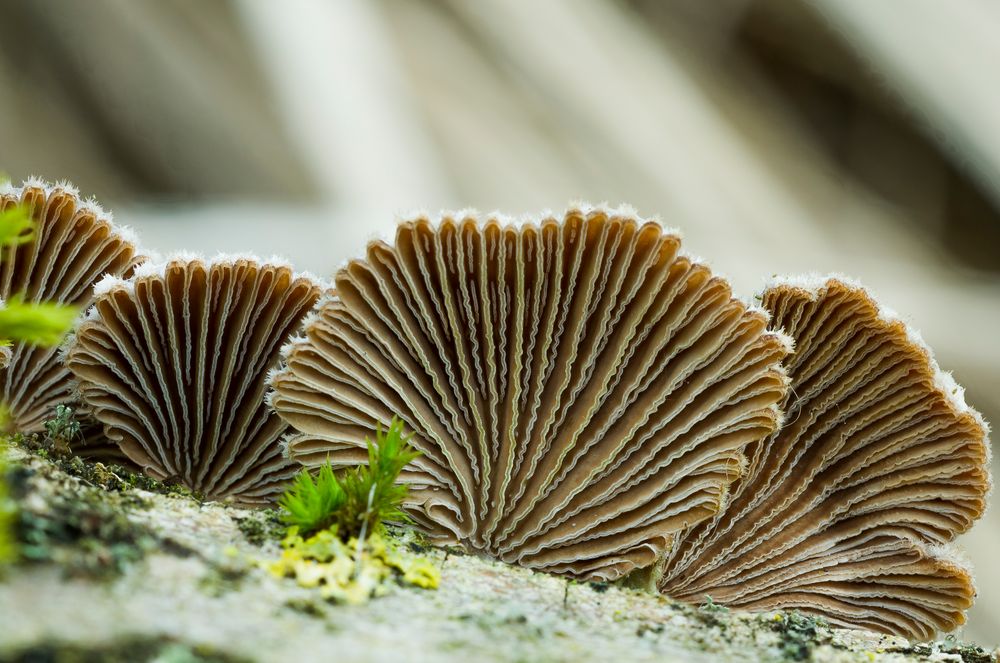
[[16, 226], [62, 427], [33, 323], [360, 499], [42, 323]]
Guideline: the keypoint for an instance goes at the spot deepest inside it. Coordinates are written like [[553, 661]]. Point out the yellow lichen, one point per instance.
[[347, 572]]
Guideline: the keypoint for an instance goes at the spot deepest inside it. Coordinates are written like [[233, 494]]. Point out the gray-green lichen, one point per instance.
[[198, 588], [83, 529]]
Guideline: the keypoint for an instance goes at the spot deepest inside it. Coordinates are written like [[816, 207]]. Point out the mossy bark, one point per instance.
[[198, 590]]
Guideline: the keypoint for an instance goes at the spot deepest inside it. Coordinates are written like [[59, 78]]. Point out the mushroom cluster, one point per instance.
[[174, 360], [573, 384], [75, 244], [586, 399], [579, 389]]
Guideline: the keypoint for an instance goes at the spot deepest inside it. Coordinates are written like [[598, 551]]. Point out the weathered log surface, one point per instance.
[[196, 592]]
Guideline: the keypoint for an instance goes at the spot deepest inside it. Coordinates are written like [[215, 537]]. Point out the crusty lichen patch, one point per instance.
[[351, 571], [83, 529], [260, 526], [199, 586]]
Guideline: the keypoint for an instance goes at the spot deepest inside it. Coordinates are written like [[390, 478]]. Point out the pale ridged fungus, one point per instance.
[[174, 361], [75, 244], [844, 512], [579, 388]]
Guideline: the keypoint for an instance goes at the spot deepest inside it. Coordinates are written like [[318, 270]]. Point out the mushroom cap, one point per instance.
[[579, 388], [843, 511], [94, 445], [174, 361], [75, 245]]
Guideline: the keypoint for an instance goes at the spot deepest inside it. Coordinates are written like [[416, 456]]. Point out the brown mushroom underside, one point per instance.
[[579, 389], [74, 247], [841, 513], [174, 365]]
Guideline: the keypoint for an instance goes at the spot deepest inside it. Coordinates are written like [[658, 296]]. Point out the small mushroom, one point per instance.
[[174, 361], [579, 388], [91, 442], [844, 512], [75, 244]]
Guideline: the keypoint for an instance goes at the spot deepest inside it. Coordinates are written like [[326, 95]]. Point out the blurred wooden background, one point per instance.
[[781, 135]]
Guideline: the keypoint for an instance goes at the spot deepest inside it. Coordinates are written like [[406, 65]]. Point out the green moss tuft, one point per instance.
[[357, 501], [62, 429], [53, 445]]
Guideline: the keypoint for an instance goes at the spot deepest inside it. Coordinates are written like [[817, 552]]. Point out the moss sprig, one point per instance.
[[358, 500]]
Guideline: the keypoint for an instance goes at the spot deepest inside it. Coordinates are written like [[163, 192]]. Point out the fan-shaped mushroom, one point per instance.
[[174, 363], [74, 245], [843, 511], [579, 389]]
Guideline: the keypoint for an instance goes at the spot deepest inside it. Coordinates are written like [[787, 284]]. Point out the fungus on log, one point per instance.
[[174, 361], [91, 442], [579, 388], [74, 245], [844, 512]]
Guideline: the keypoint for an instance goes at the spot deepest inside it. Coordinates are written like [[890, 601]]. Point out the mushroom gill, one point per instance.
[[845, 511], [579, 388], [75, 244], [174, 361]]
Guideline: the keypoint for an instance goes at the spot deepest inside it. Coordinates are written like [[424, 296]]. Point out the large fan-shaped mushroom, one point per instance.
[[579, 389], [74, 245], [842, 512], [174, 363]]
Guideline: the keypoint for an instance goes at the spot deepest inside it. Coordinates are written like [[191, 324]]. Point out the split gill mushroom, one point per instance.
[[578, 387], [74, 244], [847, 512], [174, 360]]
